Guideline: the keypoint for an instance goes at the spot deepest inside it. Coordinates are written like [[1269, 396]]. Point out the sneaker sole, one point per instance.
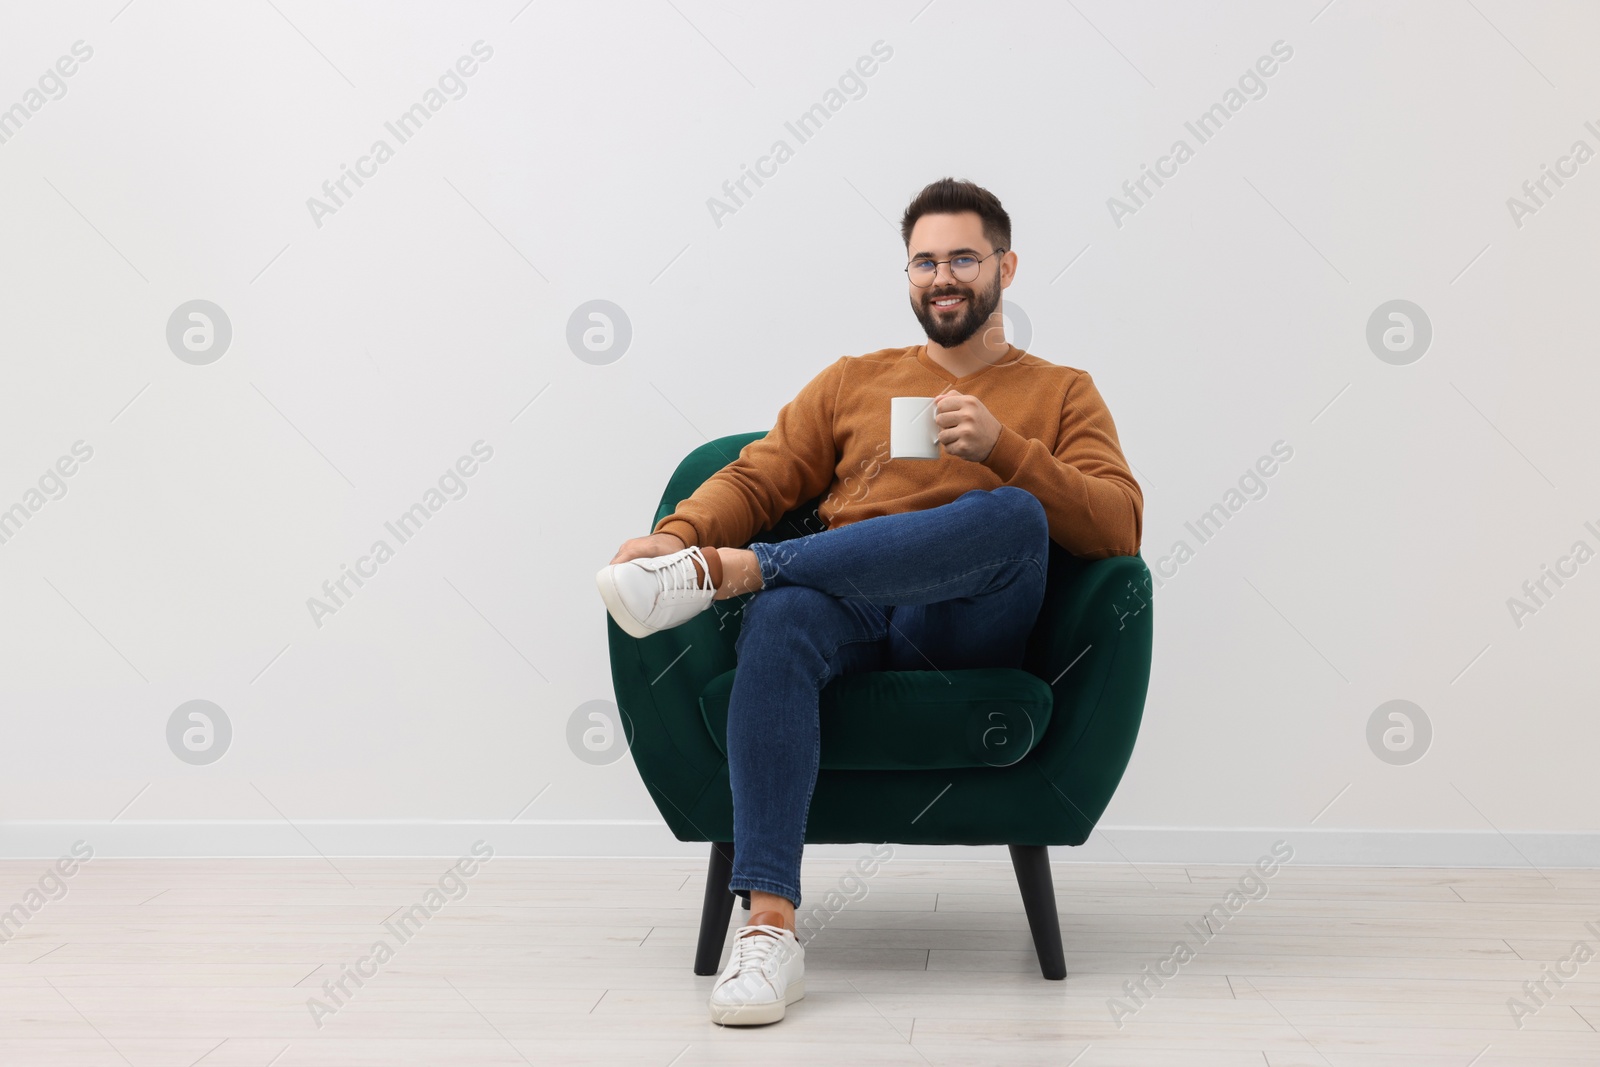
[[757, 1014], [606, 580]]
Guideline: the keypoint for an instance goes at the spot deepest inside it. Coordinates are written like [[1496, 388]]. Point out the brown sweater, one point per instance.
[[1057, 441]]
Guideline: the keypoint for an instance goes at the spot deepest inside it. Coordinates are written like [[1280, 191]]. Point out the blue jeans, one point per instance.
[[946, 588]]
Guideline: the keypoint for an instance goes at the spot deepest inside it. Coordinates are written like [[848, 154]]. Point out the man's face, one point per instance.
[[941, 237]]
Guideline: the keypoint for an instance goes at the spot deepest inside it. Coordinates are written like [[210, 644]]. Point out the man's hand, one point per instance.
[[648, 547], [966, 428]]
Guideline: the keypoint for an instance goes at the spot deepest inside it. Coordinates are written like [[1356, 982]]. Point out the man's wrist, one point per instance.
[[679, 531], [1009, 448]]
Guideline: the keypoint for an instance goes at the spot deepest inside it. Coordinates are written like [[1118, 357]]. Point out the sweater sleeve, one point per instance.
[[772, 475], [1095, 507]]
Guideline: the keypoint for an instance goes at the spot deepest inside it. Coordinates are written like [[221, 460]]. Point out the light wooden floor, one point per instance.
[[181, 962]]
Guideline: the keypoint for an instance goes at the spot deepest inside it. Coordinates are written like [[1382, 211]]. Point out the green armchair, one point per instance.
[[1026, 757]]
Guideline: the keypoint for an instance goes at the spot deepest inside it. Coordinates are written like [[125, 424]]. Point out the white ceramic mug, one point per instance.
[[913, 433]]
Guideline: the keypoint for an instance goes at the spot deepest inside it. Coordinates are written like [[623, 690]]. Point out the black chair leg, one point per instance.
[[1032, 864], [716, 909]]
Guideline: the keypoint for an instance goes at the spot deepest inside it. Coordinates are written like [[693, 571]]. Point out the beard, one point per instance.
[[951, 329]]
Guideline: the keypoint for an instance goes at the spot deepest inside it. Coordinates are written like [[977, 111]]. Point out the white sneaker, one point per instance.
[[766, 973], [656, 593]]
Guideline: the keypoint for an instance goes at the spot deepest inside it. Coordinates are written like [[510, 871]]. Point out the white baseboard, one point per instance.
[[647, 838]]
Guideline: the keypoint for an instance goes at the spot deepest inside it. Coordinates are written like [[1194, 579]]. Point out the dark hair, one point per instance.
[[947, 196]]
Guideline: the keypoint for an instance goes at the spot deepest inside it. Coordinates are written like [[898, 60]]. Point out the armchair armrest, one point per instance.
[[1092, 644], [658, 681]]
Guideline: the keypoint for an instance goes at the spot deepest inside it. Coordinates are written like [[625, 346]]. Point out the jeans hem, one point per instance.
[[764, 562], [761, 885]]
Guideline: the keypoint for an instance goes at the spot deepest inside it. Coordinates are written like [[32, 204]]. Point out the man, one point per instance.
[[925, 564]]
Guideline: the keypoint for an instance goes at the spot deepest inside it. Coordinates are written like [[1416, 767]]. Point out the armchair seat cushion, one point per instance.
[[915, 720]]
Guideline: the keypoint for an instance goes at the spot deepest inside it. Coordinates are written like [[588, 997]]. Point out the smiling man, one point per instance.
[[926, 564]]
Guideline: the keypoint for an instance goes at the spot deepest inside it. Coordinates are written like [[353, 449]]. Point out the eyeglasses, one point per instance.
[[964, 268]]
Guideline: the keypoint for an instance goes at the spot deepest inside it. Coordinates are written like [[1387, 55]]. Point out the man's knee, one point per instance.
[[782, 601], [1024, 514], [1023, 502], [781, 609]]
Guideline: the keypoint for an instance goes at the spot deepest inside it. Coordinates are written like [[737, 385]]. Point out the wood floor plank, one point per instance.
[[587, 961]]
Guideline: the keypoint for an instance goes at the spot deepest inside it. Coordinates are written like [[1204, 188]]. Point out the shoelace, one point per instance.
[[680, 579], [754, 951]]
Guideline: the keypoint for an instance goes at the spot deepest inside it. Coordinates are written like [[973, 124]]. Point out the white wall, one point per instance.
[[374, 346]]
